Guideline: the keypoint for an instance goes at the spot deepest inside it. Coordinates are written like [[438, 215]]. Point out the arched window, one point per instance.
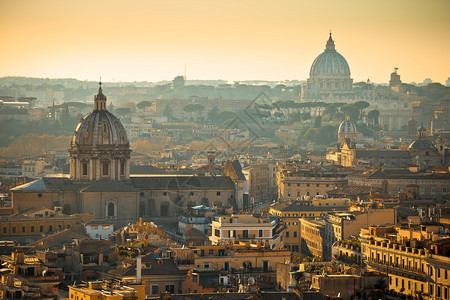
[[111, 210]]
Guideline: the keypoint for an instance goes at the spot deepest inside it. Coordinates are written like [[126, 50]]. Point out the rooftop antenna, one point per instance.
[[184, 71]]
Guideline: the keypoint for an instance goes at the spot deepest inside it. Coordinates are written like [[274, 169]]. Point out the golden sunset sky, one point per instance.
[[233, 40]]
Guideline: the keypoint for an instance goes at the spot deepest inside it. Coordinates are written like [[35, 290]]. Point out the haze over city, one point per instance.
[[226, 150], [238, 40]]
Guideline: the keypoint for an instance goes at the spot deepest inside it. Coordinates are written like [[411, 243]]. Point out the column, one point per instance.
[[71, 168], [97, 169], [77, 168], [113, 169], [91, 169], [127, 168]]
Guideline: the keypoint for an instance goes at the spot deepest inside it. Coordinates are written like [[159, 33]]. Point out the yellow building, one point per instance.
[[412, 269], [32, 225], [99, 290], [306, 183], [312, 233], [289, 214]]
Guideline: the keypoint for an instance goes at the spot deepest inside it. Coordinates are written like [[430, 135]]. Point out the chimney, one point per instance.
[[138, 269]]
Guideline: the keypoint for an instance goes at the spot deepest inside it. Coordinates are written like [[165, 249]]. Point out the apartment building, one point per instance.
[[226, 229]]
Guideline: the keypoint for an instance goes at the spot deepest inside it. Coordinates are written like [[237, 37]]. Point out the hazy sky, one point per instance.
[[222, 39]]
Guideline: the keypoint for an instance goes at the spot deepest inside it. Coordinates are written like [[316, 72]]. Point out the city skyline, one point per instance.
[[251, 40]]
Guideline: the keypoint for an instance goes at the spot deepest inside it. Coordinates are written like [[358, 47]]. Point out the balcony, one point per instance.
[[396, 270]]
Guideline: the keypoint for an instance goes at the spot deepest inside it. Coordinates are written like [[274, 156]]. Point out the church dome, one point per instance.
[[330, 62], [100, 127], [347, 126], [421, 144]]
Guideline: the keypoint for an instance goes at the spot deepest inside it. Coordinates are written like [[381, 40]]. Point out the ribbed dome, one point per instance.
[[330, 62], [100, 127], [421, 144], [347, 126]]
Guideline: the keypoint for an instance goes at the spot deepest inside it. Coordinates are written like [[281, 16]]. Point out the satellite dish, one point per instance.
[[251, 281]]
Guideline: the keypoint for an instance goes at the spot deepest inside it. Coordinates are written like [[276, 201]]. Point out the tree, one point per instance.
[[327, 135], [130, 105], [317, 122], [190, 108], [122, 111], [374, 115], [361, 105], [212, 114], [144, 104], [167, 111], [312, 134], [225, 115], [351, 111]]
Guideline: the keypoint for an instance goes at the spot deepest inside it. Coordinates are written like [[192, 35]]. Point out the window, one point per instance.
[[122, 169], [289, 184], [39, 195], [41, 228], [170, 288], [287, 234], [14, 229], [191, 193], [50, 228], [4, 229], [85, 169], [155, 290], [295, 234], [218, 193], [32, 228], [111, 210], [105, 168], [164, 193], [260, 233]]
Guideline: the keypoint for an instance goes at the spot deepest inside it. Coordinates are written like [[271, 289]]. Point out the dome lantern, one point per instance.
[[330, 44]]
